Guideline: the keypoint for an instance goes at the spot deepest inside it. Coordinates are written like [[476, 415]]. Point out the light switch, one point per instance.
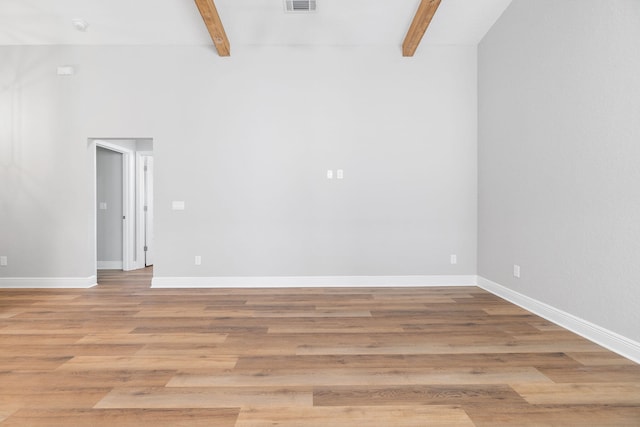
[[516, 271], [329, 174], [103, 206], [453, 259], [177, 205], [340, 174]]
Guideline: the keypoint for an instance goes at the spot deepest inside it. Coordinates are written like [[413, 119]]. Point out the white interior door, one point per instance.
[[148, 211]]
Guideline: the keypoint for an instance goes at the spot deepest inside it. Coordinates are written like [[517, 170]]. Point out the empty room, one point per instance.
[[253, 213]]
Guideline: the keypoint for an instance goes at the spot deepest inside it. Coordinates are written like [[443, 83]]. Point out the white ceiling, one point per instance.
[[247, 22]]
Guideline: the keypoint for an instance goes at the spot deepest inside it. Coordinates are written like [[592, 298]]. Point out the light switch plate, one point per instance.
[[516, 271], [103, 206], [330, 174], [340, 174], [3, 261]]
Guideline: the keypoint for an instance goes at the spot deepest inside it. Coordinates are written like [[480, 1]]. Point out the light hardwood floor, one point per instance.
[[122, 354]]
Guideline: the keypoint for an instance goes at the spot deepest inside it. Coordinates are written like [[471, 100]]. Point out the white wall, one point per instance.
[[559, 157], [46, 179], [245, 142], [109, 215]]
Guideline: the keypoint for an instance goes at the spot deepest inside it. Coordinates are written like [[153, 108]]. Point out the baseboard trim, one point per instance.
[[109, 265], [312, 281], [604, 337], [48, 282]]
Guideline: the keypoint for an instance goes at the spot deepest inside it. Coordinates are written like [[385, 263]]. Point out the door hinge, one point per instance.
[[124, 217], [145, 208], [145, 249], [145, 168]]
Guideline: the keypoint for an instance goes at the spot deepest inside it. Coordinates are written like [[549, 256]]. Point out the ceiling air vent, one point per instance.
[[300, 5]]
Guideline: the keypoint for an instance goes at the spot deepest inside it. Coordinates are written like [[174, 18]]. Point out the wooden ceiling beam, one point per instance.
[[420, 23], [212, 20]]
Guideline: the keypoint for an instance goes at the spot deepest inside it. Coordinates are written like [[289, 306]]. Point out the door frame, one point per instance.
[[140, 199], [128, 201]]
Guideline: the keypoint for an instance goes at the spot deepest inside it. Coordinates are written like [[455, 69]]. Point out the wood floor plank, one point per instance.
[[160, 338], [54, 398], [593, 374], [42, 339], [25, 328], [555, 416], [83, 379], [73, 313], [394, 361], [296, 328], [205, 397], [467, 395], [580, 394], [147, 362], [33, 362], [71, 350], [186, 350], [498, 348], [350, 416], [600, 358], [361, 376], [124, 418]]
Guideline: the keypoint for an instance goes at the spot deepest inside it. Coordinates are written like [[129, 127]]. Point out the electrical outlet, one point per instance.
[[3, 261], [198, 260], [516, 271], [340, 174], [329, 174], [454, 259]]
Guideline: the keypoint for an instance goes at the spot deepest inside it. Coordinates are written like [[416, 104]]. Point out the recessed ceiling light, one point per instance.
[[80, 24]]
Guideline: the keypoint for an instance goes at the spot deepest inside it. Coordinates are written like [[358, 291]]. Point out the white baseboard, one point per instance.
[[604, 337], [311, 281], [48, 282], [109, 265]]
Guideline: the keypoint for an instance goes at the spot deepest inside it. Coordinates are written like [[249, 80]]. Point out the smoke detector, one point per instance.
[[80, 24], [300, 5]]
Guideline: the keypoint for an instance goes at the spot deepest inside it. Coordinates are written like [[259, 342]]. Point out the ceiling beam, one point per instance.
[[421, 21], [211, 18]]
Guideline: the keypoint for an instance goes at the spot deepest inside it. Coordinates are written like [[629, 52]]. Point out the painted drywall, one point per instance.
[[559, 156], [44, 170], [109, 205], [246, 142]]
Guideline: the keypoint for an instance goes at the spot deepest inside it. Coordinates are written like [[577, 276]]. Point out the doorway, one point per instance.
[[124, 203]]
